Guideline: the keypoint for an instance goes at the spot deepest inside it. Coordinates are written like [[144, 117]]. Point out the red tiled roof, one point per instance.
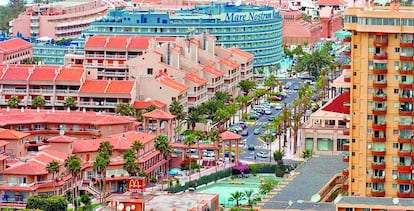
[[124, 141], [43, 73], [120, 87], [61, 139], [29, 168], [173, 84], [117, 42], [337, 104], [14, 44], [6, 134], [139, 43], [242, 53], [86, 145], [212, 70], [56, 155], [229, 63], [331, 2], [19, 73], [195, 79], [94, 86], [15, 116], [3, 143], [146, 104], [70, 74], [158, 114], [3, 157], [227, 135], [95, 42], [165, 39]]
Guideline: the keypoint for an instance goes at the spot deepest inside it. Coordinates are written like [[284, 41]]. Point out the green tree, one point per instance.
[[313, 63], [53, 168], [69, 102], [38, 102], [177, 110], [13, 102], [232, 110], [189, 141], [298, 50], [100, 165], [307, 153], [151, 108], [222, 96], [278, 156], [246, 86], [106, 147], [47, 203], [242, 101], [222, 115], [237, 197], [125, 109], [249, 194], [163, 145], [73, 164], [194, 117], [137, 146], [130, 164], [87, 202]]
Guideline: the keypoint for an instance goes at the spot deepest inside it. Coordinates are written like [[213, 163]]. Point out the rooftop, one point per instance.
[[377, 201], [120, 42], [107, 87], [180, 202], [337, 104], [158, 114], [14, 44], [6, 134], [146, 104], [43, 73]]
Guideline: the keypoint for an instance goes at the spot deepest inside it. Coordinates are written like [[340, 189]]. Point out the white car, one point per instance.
[[278, 106], [262, 154], [268, 111]]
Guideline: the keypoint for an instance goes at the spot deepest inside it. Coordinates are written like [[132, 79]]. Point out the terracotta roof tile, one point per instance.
[[70, 74], [6, 134], [80, 146], [61, 139], [93, 86], [139, 43], [331, 2], [95, 42], [146, 104], [173, 84], [20, 73], [28, 168], [3, 143], [229, 63], [195, 79], [159, 114], [117, 42], [43, 73], [123, 141], [242, 53], [58, 156], [14, 44], [337, 104], [165, 39], [120, 87], [227, 135], [213, 71]]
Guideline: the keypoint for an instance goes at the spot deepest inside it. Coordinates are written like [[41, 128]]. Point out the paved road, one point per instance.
[[252, 139]]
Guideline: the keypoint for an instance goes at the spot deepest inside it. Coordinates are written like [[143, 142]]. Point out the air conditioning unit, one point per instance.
[[371, 67], [397, 68], [394, 177]]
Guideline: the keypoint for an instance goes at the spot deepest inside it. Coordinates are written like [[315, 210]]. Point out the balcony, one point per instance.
[[412, 156], [345, 159], [347, 39], [378, 165], [378, 152], [111, 73], [346, 147], [377, 193], [404, 180], [379, 98], [403, 194], [347, 118], [402, 140], [346, 66], [345, 172], [346, 132], [345, 186], [404, 169], [408, 43], [380, 56], [405, 112], [379, 126], [381, 40], [404, 126], [347, 52], [406, 57], [404, 153], [379, 111], [405, 98], [380, 71], [405, 85], [66, 91], [380, 84], [347, 78], [379, 139], [406, 70], [377, 179], [97, 104]]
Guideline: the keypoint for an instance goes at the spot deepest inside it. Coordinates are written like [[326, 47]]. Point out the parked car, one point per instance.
[[256, 131], [268, 111], [278, 106], [245, 133], [208, 153], [276, 98], [226, 154], [252, 116], [243, 125], [251, 147], [271, 118], [262, 154]]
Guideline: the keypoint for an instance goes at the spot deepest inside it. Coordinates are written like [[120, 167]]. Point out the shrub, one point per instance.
[[47, 203]]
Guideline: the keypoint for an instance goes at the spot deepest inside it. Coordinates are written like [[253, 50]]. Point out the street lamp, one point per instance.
[[270, 149]]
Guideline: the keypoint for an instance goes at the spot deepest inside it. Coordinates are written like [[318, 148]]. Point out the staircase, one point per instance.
[[91, 189]]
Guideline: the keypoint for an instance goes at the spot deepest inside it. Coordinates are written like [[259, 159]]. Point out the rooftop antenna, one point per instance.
[[315, 198]]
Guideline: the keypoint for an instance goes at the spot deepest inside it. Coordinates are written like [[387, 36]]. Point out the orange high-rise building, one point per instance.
[[381, 50]]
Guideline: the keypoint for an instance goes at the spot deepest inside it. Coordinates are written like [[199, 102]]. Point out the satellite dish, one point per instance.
[[337, 199], [127, 208], [315, 198], [133, 207], [62, 132], [395, 201], [121, 206]]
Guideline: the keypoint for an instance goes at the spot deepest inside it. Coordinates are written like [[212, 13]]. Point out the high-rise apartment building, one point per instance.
[[381, 52]]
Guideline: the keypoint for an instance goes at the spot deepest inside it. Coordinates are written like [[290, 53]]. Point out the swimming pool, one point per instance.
[[228, 186]]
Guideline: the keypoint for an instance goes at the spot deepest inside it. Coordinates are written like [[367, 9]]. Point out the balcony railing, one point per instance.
[[378, 152], [377, 192], [379, 126], [379, 139], [41, 91], [380, 40], [404, 125], [379, 110], [378, 165], [405, 85], [66, 91], [380, 56], [379, 98], [405, 98], [380, 84], [406, 56], [404, 153], [9, 90], [404, 139], [406, 43], [110, 104], [380, 71], [378, 179], [104, 73]]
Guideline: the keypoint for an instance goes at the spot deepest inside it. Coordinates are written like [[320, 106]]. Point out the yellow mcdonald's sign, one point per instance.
[[136, 184]]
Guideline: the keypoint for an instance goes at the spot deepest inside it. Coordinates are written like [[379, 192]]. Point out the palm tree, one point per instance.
[[69, 102], [125, 109], [177, 110], [73, 164], [232, 110], [250, 194], [137, 146], [53, 168], [38, 102], [222, 115], [237, 196], [162, 144], [106, 147], [313, 63], [13, 102], [278, 156], [222, 96], [270, 83], [242, 100], [190, 140], [194, 117], [130, 164], [246, 86], [100, 165]]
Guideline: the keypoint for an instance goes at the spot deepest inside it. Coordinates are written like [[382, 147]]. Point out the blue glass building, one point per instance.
[[255, 29]]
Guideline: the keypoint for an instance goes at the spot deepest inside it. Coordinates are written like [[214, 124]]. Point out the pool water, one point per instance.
[[224, 188]]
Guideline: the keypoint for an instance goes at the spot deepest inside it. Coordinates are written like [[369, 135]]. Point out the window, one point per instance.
[[354, 87], [149, 71], [355, 73], [397, 50], [394, 185], [368, 185], [396, 77], [355, 46], [369, 117], [395, 145], [353, 140], [396, 91]]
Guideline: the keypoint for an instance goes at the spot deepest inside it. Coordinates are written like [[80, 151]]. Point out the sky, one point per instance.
[[4, 2]]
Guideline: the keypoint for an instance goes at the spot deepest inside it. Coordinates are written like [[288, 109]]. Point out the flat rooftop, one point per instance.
[[401, 202], [313, 175], [181, 202]]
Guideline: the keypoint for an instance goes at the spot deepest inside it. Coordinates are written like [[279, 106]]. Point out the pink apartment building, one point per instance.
[[15, 51], [57, 20], [297, 31], [331, 21]]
